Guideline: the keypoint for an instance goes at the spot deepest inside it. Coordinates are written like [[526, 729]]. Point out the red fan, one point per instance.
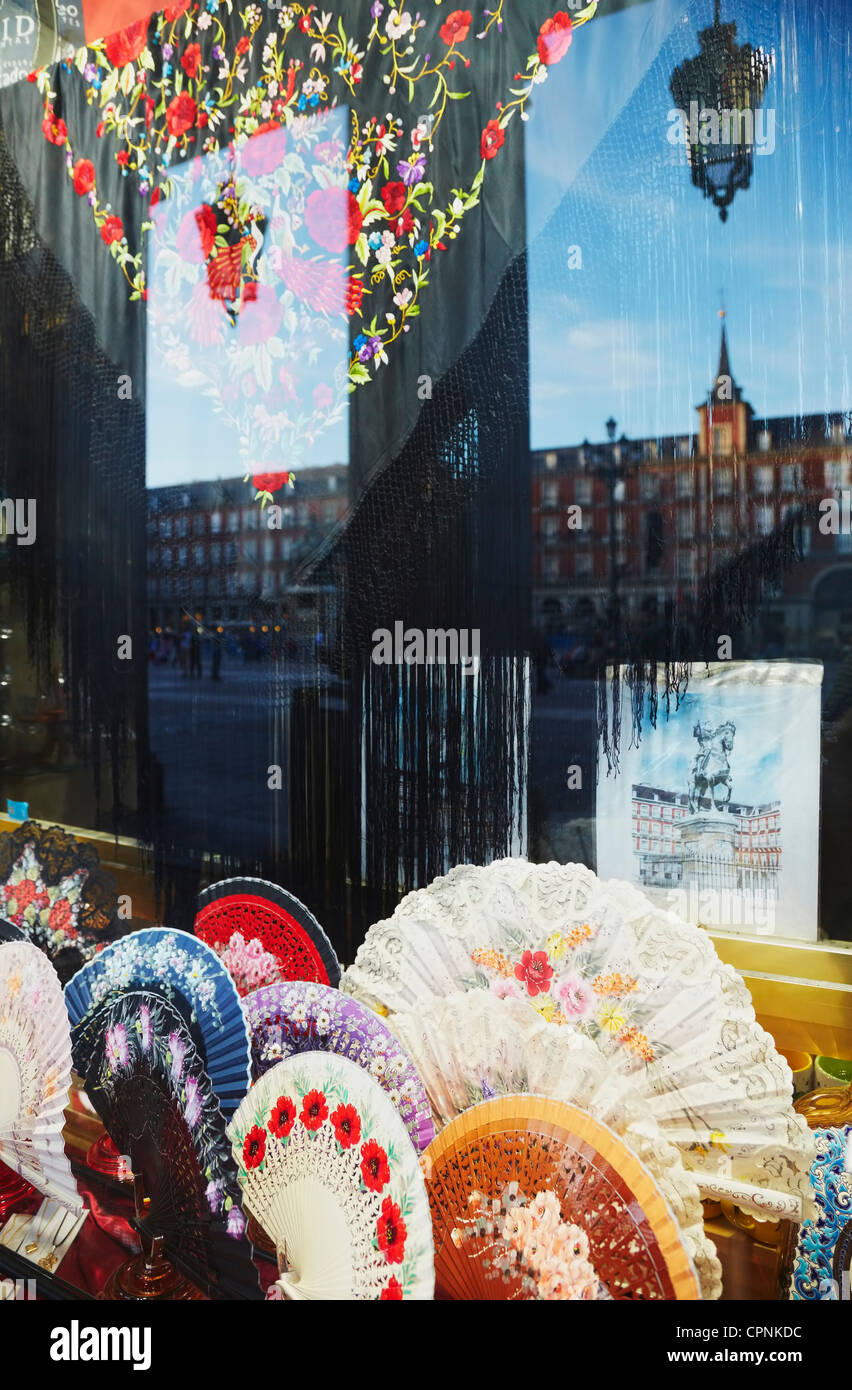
[[264, 935]]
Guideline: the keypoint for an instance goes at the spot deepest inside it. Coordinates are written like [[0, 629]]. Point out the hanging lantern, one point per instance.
[[718, 95]]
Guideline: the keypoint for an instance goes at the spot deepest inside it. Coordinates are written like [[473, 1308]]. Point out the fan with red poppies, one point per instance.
[[531, 1198], [35, 1072], [329, 1171], [263, 934], [147, 1082], [287, 1019]]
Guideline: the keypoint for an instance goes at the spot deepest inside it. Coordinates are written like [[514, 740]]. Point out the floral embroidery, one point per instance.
[[391, 1232], [254, 1147], [282, 1118], [314, 1110], [530, 1242], [374, 1166], [562, 984], [182, 87]]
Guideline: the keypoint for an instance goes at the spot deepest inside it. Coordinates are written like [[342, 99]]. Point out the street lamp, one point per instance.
[[719, 92], [611, 463]]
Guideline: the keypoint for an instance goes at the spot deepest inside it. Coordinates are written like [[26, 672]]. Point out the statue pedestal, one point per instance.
[[706, 836]]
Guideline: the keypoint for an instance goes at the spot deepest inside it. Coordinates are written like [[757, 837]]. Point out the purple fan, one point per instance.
[[293, 1017]]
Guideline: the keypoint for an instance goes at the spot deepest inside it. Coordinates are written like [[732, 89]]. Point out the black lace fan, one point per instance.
[[53, 888], [146, 1081]]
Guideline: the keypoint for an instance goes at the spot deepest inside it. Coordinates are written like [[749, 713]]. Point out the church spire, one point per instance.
[[724, 387]]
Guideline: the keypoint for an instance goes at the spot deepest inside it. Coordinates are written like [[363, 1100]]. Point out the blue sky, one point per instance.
[[634, 332], [667, 752]]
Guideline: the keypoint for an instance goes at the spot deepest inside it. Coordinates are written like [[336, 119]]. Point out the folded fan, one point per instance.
[[472, 1047], [186, 972], [147, 1082], [329, 1171], [824, 1249], [287, 1019], [9, 932], [505, 1154], [648, 989], [261, 912], [35, 1072]]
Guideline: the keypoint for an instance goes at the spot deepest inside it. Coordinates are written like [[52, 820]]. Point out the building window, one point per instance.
[[686, 564], [723, 482], [198, 556], [649, 486], [723, 522], [764, 442], [181, 527], [550, 567], [583, 492], [216, 522], [550, 494], [269, 548], [233, 521], [722, 439], [765, 520], [215, 553], [182, 557], [166, 557], [683, 483], [583, 564], [764, 479], [682, 447], [550, 528], [250, 518], [166, 526], [250, 548], [789, 477], [198, 527], [685, 523], [550, 460], [332, 482]]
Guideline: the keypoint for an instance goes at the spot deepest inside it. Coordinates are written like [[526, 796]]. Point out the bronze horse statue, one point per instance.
[[711, 769]]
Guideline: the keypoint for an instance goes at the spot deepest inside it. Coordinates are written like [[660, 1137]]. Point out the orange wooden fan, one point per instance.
[[505, 1153]]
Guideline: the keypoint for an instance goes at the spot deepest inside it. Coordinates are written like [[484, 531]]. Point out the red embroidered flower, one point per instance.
[[54, 129], [127, 44], [196, 235], [150, 108], [180, 113], [391, 1232], [354, 295], [347, 1125], [314, 1110], [283, 1117], [374, 1166], [191, 60], [112, 230], [122, 158], [265, 150], [83, 174], [554, 38], [60, 915], [534, 972], [243, 45], [393, 197], [174, 12], [456, 27], [270, 482], [492, 139], [392, 1290], [260, 318], [22, 892], [404, 223], [224, 272], [333, 218], [254, 1147], [319, 283]]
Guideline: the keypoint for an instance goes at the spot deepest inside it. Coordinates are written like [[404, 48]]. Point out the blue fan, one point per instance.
[[189, 975]]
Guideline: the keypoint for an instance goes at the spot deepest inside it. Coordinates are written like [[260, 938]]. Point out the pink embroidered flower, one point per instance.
[[505, 989], [177, 1047], [192, 1108], [117, 1050], [146, 1031], [576, 998]]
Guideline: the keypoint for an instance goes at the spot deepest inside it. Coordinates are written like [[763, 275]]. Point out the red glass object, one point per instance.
[[104, 1157], [15, 1191]]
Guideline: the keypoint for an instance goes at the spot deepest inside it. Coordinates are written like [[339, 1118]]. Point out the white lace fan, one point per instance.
[[328, 1169], [647, 988], [35, 1071], [472, 1047]]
